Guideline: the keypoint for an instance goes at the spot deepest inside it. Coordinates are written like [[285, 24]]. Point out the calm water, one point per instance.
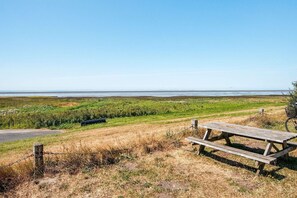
[[147, 93]]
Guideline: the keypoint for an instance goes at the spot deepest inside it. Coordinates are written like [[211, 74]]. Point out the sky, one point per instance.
[[49, 45]]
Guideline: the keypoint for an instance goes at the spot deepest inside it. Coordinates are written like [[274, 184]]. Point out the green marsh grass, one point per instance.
[[67, 113]]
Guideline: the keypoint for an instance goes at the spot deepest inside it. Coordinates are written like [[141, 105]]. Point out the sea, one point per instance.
[[145, 93]]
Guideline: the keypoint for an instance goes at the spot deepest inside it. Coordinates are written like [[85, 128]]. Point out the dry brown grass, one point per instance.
[[168, 173], [272, 120], [76, 158], [12, 176]]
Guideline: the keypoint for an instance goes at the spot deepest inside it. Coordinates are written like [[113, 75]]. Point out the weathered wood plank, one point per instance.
[[267, 152], [260, 168], [206, 136], [235, 151], [268, 149], [283, 152], [227, 139], [220, 137], [275, 147], [292, 144], [285, 145], [251, 132]]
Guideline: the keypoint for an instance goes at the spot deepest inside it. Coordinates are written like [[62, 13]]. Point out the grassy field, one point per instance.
[[134, 150], [157, 162], [67, 113]]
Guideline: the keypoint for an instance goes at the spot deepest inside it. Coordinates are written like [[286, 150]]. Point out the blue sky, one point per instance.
[[147, 44]]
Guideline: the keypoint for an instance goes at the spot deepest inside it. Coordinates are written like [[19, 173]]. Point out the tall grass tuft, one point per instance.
[[12, 176], [269, 121]]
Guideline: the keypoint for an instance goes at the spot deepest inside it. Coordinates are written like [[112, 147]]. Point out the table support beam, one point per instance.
[[283, 152], [275, 147], [226, 137], [267, 152], [206, 136], [285, 145]]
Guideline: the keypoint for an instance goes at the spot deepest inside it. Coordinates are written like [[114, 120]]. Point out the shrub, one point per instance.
[[292, 101]]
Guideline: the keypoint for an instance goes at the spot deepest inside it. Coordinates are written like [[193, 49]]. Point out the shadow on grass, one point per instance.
[[290, 163]]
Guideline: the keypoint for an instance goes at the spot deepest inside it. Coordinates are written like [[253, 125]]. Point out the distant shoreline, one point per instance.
[[148, 91], [158, 93]]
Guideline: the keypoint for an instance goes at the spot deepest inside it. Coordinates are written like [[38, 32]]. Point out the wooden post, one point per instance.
[[38, 160], [195, 125]]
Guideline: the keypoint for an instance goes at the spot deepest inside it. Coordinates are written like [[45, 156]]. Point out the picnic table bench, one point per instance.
[[271, 137]]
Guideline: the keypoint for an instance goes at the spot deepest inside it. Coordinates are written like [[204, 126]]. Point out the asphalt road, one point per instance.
[[19, 134]]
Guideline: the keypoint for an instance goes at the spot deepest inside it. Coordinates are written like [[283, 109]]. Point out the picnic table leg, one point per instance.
[[226, 137], [285, 145], [206, 136], [275, 148], [266, 152]]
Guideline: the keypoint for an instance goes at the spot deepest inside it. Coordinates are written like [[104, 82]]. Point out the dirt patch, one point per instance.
[[46, 182], [244, 184], [173, 185], [130, 166]]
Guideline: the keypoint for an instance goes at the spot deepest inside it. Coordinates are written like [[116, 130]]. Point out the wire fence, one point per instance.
[[45, 153], [67, 153], [17, 161]]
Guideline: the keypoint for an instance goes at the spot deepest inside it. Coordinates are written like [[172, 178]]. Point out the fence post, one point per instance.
[[38, 160], [195, 125]]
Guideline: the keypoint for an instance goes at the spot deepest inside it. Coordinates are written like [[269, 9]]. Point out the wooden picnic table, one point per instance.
[[271, 137]]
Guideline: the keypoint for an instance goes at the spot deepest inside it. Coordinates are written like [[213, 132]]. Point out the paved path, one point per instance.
[[19, 134]]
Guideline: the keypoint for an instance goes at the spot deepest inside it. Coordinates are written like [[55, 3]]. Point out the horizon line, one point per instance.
[[127, 91]]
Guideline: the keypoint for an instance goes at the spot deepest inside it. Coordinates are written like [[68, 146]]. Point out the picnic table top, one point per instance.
[[251, 132]]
